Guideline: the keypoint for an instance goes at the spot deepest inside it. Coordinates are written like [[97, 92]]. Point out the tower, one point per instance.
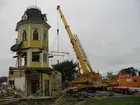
[[32, 72], [32, 40]]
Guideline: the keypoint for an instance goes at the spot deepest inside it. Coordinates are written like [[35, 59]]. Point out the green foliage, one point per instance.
[[67, 68], [133, 100], [138, 73], [110, 75], [130, 70]]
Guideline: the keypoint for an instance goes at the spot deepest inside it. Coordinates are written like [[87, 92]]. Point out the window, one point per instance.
[[24, 17], [45, 18], [135, 80], [11, 82], [44, 57], [35, 57], [45, 36], [24, 35], [35, 35]]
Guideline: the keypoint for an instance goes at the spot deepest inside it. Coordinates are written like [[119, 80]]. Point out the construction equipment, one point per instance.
[[83, 53], [89, 80]]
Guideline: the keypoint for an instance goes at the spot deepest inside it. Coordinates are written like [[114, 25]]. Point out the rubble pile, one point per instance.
[[10, 91]]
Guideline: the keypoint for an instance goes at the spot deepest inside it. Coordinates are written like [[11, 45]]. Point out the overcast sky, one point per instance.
[[108, 29]]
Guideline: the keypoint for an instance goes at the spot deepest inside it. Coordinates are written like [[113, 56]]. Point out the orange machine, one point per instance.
[[110, 83], [127, 85], [133, 81]]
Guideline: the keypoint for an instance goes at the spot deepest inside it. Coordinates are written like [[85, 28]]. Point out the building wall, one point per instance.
[[30, 42], [34, 44], [44, 78], [17, 73], [20, 83], [56, 83], [19, 79]]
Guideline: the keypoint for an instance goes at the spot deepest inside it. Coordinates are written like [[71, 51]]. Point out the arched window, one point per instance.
[[35, 35], [24, 35], [45, 35]]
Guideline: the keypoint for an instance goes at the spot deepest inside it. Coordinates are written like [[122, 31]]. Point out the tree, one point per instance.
[[67, 69], [110, 75], [139, 73], [130, 70]]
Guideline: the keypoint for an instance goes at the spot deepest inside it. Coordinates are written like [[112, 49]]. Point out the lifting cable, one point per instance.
[[58, 42], [57, 24], [57, 33], [59, 38], [56, 39]]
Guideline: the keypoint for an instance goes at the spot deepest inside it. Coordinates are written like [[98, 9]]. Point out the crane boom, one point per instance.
[[83, 53], [73, 41]]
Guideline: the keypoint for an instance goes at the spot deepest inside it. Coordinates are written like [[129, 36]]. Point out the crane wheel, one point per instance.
[[80, 97]]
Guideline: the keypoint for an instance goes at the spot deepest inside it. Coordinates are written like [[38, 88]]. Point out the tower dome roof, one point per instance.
[[33, 15]]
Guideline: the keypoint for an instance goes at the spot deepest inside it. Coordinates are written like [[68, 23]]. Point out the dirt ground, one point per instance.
[[69, 100], [27, 102]]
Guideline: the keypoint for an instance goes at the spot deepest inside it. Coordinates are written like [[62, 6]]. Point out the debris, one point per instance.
[[10, 91], [60, 98]]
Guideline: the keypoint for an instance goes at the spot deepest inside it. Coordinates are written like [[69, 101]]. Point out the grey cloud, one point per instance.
[[108, 29]]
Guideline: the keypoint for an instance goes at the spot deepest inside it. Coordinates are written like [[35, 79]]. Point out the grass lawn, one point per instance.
[[133, 100], [115, 101]]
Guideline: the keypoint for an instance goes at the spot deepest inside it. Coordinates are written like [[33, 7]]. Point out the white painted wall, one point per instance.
[[20, 83]]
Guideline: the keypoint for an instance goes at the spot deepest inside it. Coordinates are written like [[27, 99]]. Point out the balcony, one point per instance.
[[16, 47], [20, 45]]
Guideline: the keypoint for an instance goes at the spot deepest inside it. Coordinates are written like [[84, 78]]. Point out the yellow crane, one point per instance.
[[83, 53], [89, 79], [73, 41]]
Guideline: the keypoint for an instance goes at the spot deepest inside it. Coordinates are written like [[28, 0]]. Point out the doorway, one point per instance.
[[33, 83], [34, 86]]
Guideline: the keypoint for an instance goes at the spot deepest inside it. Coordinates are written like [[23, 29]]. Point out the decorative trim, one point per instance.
[[41, 36], [48, 58], [29, 35], [29, 57], [19, 34], [42, 62]]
